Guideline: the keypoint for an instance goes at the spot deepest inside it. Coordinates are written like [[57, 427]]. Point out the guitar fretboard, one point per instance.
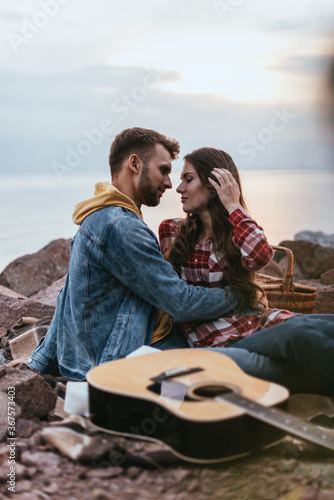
[[278, 418]]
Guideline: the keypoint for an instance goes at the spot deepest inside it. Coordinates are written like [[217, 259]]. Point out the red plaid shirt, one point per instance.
[[205, 269]]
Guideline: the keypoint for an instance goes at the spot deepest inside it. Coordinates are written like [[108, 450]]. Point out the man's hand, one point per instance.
[[18, 362]]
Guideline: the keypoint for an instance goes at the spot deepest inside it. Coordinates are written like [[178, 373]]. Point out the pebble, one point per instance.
[[181, 474], [51, 488], [99, 494], [40, 459], [22, 486], [107, 473], [310, 494], [193, 486], [133, 472], [287, 465]]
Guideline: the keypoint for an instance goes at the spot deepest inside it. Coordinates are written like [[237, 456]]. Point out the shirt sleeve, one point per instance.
[[167, 233], [250, 239]]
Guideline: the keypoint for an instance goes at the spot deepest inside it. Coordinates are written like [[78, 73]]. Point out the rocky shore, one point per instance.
[[58, 456]]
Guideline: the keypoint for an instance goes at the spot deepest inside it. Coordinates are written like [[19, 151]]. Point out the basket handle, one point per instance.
[[288, 279]]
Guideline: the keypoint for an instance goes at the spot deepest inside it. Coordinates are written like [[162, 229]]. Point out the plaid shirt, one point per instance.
[[204, 268]]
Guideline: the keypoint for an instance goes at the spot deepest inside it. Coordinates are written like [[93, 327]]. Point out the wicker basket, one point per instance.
[[282, 293]]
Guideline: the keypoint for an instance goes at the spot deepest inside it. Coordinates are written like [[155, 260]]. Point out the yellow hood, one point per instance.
[[105, 195]]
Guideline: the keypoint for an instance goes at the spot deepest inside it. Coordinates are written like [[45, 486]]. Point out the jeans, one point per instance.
[[298, 353], [174, 340]]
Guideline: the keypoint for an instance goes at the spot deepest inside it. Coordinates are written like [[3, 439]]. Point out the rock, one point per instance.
[[23, 345], [12, 309], [324, 300], [51, 488], [10, 293], [327, 278], [318, 237], [307, 406], [30, 273], [4, 342], [23, 486], [4, 454], [34, 396], [20, 471], [79, 446], [108, 472], [49, 294], [4, 409], [312, 283], [273, 269], [312, 259], [59, 409], [297, 273], [40, 459], [26, 428], [180, 474]]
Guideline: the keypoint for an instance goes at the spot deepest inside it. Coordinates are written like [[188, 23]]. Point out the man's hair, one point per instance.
[[140, 141]]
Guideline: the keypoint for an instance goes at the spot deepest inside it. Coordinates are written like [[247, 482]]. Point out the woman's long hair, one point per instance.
[[240, 280]]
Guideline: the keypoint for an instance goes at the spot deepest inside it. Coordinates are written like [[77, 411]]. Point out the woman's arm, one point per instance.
[[167, 233], [248, 235], [250, 239]]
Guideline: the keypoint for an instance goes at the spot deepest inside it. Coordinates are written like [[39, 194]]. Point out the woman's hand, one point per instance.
[[227, 189]]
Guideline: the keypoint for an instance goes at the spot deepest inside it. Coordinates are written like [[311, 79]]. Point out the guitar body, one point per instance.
[[181, 411]]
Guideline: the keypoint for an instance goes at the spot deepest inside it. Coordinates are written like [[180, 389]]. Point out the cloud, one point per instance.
[[10, 15], [60, 105], [289, 25], [304, 65], [45, 117]]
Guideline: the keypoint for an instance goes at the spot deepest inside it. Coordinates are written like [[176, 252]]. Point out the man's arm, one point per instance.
[[133, 256]]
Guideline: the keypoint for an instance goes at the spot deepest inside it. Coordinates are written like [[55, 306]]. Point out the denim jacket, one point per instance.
[[117, 278]]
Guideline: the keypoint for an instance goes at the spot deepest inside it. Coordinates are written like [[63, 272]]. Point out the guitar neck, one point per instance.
[[278, 418]]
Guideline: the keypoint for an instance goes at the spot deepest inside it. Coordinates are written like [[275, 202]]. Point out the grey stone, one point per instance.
[[312, 259], [324, 300], [30, 273], [34, 396], [49, 294], [4, 290], [23, 345], [319, 237], [273, 269], [13, 308], [39, 458], [327, 278], [4, 408]]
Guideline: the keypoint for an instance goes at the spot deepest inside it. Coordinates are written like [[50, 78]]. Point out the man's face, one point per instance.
[[154, 179]]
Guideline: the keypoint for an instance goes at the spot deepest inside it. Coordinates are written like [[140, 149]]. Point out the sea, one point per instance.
[[36, 208]]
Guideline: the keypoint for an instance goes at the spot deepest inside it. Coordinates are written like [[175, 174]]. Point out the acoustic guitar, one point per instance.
[[199, 403]]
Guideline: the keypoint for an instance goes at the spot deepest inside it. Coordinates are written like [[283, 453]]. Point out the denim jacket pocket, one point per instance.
[[114, 343]]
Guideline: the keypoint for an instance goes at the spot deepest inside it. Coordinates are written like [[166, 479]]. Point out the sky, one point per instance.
[[247, 76]]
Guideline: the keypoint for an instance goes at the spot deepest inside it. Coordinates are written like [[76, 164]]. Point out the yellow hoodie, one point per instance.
[[106, 195]]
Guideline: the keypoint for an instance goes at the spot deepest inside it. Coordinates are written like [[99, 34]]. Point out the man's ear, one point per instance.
[[133, 162]]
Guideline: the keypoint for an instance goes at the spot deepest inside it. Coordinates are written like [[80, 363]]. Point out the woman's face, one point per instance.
[[194, 195]]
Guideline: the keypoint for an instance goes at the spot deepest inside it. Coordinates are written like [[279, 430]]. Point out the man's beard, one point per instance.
[[148, 192]]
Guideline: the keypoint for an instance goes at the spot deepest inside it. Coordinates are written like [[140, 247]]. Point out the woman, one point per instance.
[[219, 244]]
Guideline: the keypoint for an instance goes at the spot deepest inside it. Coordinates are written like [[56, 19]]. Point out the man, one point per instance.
[[118, 283]]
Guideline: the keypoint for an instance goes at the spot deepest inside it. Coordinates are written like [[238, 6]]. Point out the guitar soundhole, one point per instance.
[[210, 391]]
